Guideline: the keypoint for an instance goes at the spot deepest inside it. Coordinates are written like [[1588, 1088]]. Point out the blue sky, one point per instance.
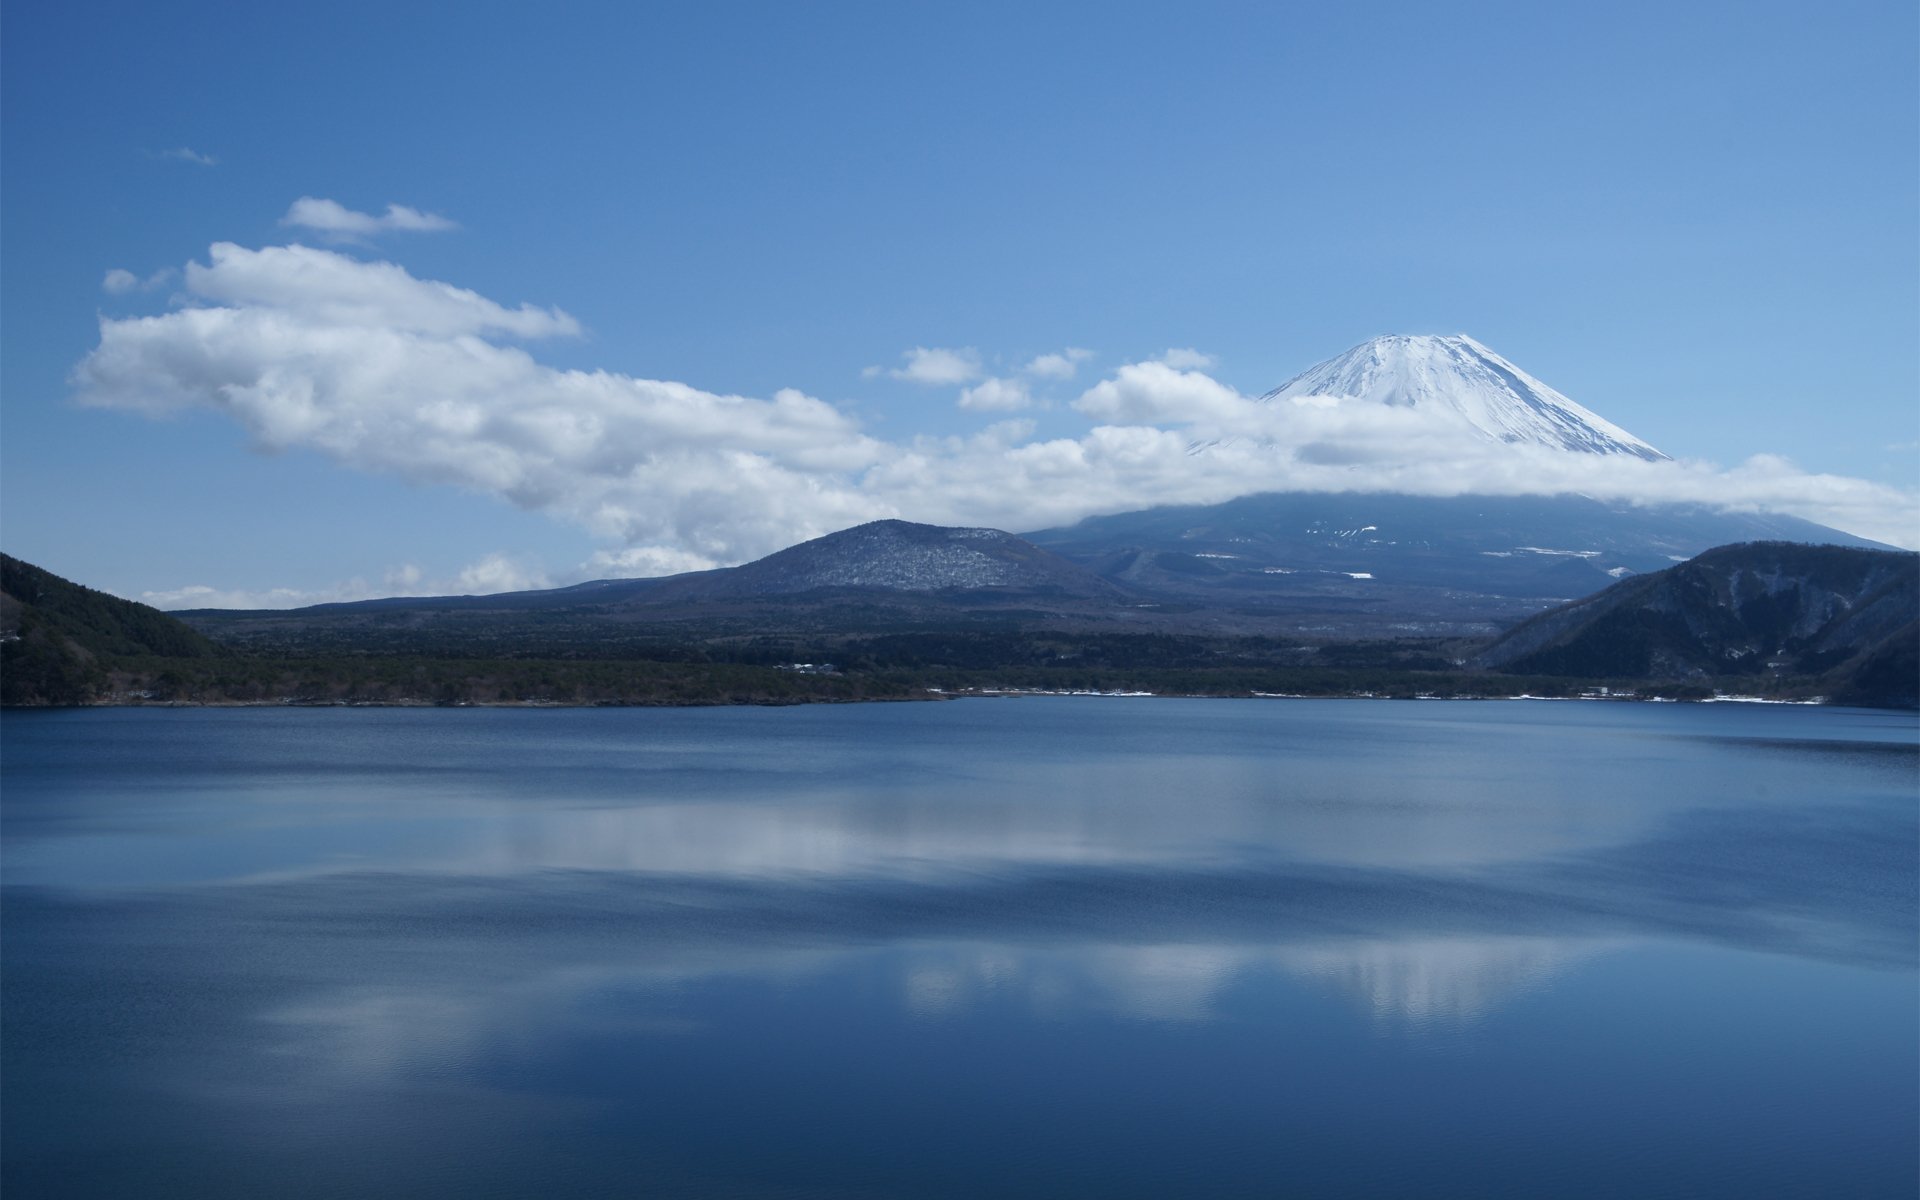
[[1701, 221]]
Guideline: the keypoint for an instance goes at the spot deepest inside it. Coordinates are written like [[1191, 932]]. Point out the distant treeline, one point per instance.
[[404, 680]]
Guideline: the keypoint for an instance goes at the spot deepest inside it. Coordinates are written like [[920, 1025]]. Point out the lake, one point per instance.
[[1053, 947]]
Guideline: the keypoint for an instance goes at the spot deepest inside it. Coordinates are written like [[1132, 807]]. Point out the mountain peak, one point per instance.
[[904, 556], [1455, 373]]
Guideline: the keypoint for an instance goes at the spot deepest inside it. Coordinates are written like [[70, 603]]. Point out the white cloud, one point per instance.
[[1063, 365], [336, 219], [323, 289], [489, 575], [187, 155], [1157, 393], [935, 366], [200, 595], [494, 574], [996, 395], [387, 373], [643, 562], [120, 281], [1181, 437], [1188, 359]]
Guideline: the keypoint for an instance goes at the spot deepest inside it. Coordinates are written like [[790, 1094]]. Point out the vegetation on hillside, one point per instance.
[[63, 644], [59, 641], [97, 622], [1760, 613]]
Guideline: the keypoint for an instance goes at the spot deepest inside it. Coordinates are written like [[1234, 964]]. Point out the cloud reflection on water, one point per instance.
[[440, 939], [1409, 984], [378, 1035]]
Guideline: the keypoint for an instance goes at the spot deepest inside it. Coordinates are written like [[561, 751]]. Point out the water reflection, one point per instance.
[[1440, 981], [1408, 985], [1145, 925], [1101, 817], [1428, 804], [378, 1035]]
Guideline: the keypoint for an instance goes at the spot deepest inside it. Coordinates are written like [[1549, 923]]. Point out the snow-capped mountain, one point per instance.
[[1460, 375]]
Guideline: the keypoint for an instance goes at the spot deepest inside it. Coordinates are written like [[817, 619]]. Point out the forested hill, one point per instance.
[[57, 638], [95, 621], [1758, 611]]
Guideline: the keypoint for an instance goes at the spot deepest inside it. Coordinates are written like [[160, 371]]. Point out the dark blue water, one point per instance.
[[1061, 947]]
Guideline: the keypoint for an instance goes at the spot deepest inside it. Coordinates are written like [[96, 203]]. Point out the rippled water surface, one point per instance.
[[1044, 947]]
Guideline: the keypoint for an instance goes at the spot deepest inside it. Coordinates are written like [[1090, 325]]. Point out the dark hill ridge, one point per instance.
[[1363, 565], [904, 608], [93, 622], [897, 556], [886, 556], [1322, 566], [57, 638], [881, 575], [1762, 609]]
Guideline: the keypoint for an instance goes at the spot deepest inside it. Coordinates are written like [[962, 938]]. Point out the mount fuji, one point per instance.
[[1413, 562], [1458, 375]]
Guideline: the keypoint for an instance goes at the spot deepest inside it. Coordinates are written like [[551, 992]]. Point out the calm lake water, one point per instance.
[[1038, 947]]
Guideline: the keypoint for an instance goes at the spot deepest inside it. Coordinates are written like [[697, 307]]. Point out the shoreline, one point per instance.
[[937, 695]]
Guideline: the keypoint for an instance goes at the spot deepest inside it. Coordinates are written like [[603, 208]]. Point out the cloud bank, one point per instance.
[[385, 372]]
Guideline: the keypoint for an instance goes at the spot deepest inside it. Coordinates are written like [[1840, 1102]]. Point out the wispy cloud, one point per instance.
[[322, 288], [996, 395], [186, 155], [120, 281], [488, 576], [934, 366], [385, 372], [1064, 365], [643, 562], [1188, 359], [337, 220]]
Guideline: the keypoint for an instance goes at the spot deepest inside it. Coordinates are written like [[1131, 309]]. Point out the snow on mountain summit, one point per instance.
[[1457, 374]]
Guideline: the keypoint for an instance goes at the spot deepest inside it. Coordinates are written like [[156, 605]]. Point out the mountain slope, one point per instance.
[[884, 574], [1764, 609], [94, 621], [1347, 565], [57, 638], [895, 556], [1489, 557], [1460, 376]]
